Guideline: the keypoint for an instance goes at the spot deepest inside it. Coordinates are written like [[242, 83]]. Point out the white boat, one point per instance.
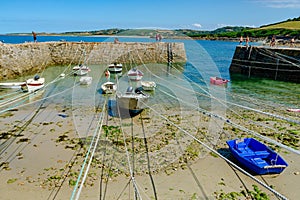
[[293, 109], [218, 81], [12, 85], [115, 67], [148, 85], [85, 80], [132, 101], [108, 87], [33, 84], [135, 75], [80, 70]]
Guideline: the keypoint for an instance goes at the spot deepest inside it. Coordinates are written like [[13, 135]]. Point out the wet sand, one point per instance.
[[41, 156]]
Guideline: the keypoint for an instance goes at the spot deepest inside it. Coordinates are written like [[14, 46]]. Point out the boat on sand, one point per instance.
[[256, 156], [148, 85], [33, 84], [108, 87], [133, 101]]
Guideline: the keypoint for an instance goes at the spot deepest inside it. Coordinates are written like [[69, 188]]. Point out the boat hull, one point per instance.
[[256, 156], [32, 85], [218, 81], [80, 70], [108, 88], [115, 68], [148, 85], [15, 85], [135, 74], [132, 102], [86, 80]]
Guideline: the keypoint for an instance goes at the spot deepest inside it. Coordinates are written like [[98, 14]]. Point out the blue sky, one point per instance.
[[57, 16]]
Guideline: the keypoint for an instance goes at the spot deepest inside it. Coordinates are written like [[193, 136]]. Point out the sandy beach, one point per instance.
[[42, 154]]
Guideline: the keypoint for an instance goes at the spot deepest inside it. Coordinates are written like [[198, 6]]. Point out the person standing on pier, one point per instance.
[[247, 41], [34, 36], [241, 40]]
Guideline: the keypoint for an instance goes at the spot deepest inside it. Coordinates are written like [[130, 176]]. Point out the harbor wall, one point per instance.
[[28, 58], [277, 63]]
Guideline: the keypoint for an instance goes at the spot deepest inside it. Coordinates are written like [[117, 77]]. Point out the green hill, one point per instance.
[[291, 24], [287, 28]]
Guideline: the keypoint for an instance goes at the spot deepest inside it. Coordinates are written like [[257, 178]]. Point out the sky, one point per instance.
[[57, 16]]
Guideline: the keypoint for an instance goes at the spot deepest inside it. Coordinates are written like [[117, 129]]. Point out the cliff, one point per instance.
[[27, 58]]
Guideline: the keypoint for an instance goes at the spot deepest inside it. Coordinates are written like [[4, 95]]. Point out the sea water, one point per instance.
[[204, 59]]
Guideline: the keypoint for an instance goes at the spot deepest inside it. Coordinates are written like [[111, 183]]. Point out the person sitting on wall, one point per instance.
[[273, 41], [292, 42]]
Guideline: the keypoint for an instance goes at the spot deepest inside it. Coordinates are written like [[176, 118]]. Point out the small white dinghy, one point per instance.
[[80, 70], [11, 85], [108, 87], [33, 84], [148, 85], [115, 67], [85, 80]]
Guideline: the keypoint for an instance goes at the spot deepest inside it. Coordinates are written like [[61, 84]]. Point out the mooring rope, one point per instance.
[[220, 155], [210, 114], [89, 154], [148, 159]]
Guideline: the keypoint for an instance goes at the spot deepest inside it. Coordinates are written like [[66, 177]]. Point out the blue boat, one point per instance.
[[256, 156]]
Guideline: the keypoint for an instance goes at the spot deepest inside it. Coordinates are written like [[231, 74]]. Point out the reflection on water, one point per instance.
[[188, 82], [171, 82]]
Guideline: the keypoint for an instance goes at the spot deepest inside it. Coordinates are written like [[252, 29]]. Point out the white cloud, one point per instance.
[[224, 25], [280, 3], [197, 25]]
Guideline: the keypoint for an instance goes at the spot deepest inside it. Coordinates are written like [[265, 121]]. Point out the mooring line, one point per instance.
[[220, 155], [89, 154], [148, 159]]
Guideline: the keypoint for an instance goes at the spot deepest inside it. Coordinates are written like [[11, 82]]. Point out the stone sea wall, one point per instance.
[[27, 58], [277, 63]]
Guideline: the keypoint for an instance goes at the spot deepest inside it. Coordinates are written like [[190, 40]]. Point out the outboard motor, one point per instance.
[[139, 90], [36, 77], [129, 89]]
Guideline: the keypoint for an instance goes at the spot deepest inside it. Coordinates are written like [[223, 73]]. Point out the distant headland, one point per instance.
[[286, 29]]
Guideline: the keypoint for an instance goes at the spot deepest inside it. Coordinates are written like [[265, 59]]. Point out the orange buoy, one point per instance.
[[107, 74]]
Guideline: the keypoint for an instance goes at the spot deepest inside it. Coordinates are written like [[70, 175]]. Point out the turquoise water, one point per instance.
[[205, 59]]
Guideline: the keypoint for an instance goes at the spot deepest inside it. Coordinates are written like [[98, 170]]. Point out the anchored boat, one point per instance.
[[11, 85], [148, 85], [133, 101], [85, 80], [218, 81], [80, 70], [135, 75], [115, 67], [33, 84], [256, 156], [108, 87]]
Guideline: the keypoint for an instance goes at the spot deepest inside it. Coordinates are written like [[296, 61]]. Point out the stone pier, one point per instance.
[[277, 63], [27, 58]]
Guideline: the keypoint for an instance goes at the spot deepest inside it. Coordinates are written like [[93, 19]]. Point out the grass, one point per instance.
[[292, 25]]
